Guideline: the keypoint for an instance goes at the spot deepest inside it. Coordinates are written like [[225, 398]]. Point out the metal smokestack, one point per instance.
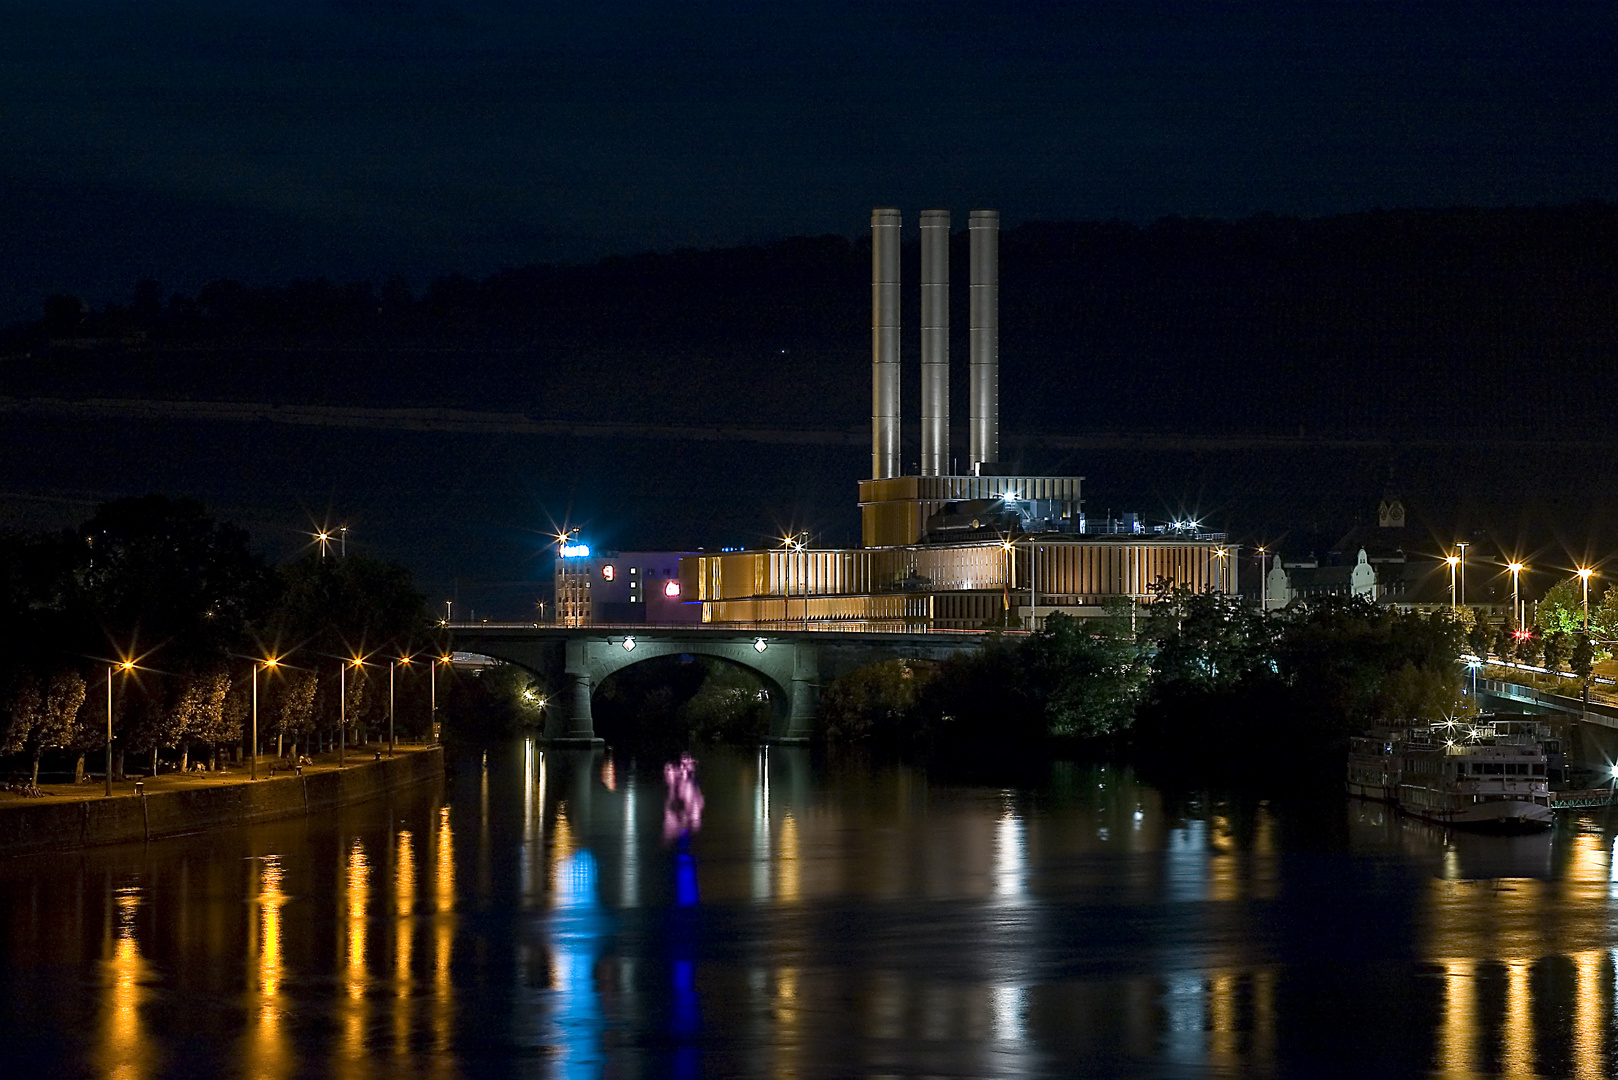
[[983, 229], [934, 342], [884, 343]]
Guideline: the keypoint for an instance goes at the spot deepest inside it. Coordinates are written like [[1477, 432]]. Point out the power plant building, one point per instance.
[[988, 546]]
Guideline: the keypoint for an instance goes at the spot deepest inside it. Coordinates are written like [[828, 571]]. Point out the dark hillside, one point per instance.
[[1463, 322]]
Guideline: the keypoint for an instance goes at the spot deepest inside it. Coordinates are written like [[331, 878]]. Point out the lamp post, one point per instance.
[[342, 707], [125, 665], [1011, 571], [432, 670], [1454, 561], [1516, 569], [405, 661], [323, 538], [1584, 576], [1461, 546], [1033, 581], [269, 664], [342, 537], [1263, 581]]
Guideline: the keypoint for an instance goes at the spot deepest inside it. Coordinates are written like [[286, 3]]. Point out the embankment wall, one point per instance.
[[47, 825]]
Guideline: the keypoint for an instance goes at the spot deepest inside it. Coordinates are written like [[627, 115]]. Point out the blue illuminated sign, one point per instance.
[[575, 551]]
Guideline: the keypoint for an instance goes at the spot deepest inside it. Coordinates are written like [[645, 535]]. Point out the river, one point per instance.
[[772, 914]]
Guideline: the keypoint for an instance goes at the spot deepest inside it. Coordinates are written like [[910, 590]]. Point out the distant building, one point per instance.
[[635, 587], [1390, 562]]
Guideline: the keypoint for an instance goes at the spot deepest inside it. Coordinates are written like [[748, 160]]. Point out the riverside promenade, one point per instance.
[[71, 816]]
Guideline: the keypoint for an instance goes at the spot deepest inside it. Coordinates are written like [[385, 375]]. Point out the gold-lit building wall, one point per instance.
[[946, 585], [894, 510], [893, 611]]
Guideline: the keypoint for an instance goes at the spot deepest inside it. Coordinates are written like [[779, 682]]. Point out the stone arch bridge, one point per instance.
[[794, 664]]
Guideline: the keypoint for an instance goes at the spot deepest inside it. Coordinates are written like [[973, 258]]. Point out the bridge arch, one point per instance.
[[786, 669], [767, 701], [575, 660]]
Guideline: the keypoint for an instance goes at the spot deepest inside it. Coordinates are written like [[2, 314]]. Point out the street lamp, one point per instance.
[[392, 665], [342, 536], [342, 707], [1584, 576], [432, 670], [269, 664], [1011, 571], [323, 538], [1516, 569], [1263, 581], [1461, 545], [125, 666], [1454, 561]]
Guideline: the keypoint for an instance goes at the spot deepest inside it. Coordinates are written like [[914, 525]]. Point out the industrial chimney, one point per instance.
[[983, 229], [884, 343], [934, 342]]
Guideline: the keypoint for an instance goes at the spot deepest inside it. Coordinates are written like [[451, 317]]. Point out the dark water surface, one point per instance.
[[578, 916]]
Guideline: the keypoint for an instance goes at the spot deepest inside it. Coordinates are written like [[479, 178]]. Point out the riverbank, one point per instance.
[[71, 816]]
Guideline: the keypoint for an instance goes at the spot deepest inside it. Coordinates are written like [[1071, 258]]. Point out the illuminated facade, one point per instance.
[[951, 585], [620, 587]]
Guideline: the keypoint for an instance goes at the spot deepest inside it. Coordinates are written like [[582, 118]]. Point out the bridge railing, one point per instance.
[[731, 628]]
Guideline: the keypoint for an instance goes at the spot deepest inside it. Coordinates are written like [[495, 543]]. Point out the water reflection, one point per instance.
[[577, 927], [357, 887], [848, 919], [268, 1053], [443, 937], [125, 1053]]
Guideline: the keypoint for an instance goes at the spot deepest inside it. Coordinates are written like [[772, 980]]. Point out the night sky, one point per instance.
[[352, 138]]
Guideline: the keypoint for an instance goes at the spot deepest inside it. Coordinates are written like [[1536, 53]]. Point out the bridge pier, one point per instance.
[[573, 724], [803, 701]]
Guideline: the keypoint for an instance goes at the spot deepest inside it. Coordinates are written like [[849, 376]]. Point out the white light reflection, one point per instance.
[[1187, 858], [1185, 1000], [1010, 1009], [629, 887], [1010, 855], [761, 828]]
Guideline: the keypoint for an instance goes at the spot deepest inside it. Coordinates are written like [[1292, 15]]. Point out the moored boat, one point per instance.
[[1375, 760], [1476, 777]]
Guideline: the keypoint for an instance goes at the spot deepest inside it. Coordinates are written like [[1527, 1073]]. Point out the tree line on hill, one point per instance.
[[1392, 322], [157, 583]]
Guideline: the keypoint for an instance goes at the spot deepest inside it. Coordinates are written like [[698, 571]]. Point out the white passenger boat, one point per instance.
[[1477, 777], [1375, 760]]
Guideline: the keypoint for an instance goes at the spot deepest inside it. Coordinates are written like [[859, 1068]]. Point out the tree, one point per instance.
[[1528, 648], [42, 716], [1562, 609], [1087, 674], [1501, 645], [1556, 648], [200, 710], [295, 714], [876, 702], [1582, 658], [159, 572], [1420, 693], [1477, 638], [1206, 641]]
